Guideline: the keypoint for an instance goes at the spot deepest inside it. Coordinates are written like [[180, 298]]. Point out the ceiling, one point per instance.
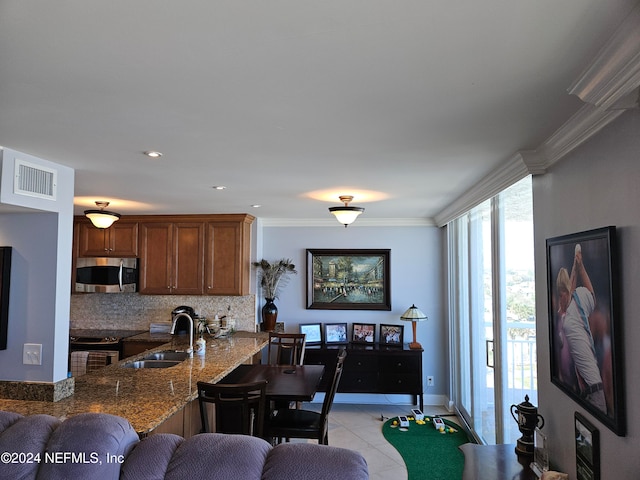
[[290, 103]]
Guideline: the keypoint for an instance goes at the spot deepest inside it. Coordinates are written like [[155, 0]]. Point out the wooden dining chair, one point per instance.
[[239, 407], [286, 348], [287, 423]]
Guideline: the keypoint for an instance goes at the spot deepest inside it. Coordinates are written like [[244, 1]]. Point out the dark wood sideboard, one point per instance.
[[371, 369]]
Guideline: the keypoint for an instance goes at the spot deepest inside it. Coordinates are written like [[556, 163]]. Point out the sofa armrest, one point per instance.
[[314, 462]]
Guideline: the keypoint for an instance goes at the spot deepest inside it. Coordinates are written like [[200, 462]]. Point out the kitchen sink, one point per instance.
[[167, 355], [152, 364]]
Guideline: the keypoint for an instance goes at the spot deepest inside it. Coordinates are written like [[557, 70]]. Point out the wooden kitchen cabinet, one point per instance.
[[227, 257], [119, 240], [178, 254], [171, 258]]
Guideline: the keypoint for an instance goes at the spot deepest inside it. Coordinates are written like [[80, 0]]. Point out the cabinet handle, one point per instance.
[[359, 364], [399, 364]]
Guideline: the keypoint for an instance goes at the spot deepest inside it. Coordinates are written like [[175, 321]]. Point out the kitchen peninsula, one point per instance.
[[150, 398]]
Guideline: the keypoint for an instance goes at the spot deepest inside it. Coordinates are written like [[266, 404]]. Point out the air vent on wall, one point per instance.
[[34, 180]]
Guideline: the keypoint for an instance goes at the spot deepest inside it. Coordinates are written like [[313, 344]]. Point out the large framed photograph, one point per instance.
[[335, 333], [584, 328], [313, 333], [355, 279], [587, 449], [392, 335], [363, 333]]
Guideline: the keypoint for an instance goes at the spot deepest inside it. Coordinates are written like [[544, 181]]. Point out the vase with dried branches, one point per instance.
[[272, 276]]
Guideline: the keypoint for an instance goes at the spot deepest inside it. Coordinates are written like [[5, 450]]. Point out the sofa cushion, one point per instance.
[[150, 458], [26, 438], [314, 462], [7, 419], [217, 456], [89, 445]]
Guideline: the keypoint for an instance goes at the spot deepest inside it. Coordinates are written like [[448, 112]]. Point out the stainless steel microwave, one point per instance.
[[106, 275]]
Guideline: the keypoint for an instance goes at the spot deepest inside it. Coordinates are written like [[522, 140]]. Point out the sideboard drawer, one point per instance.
[[399, 383], [358, 382], [400, 364], [362, 363]]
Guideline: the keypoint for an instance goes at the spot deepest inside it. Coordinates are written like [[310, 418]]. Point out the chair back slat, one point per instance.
[[286, 348], [239, 408], [335, 381]]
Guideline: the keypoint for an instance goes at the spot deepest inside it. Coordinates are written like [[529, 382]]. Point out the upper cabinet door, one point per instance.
[[188, 258], [119, 240], [227, 258], [156, 258], [171, 258]]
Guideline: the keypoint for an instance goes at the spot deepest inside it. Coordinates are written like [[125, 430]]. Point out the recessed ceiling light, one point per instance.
[[218, 187], [256, 205], [153, 154]]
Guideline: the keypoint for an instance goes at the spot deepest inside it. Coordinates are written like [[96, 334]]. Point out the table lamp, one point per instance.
[[413, 315]]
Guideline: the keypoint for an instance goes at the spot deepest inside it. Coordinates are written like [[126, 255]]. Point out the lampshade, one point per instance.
[[413, 315], [102, 218], [346, 215]]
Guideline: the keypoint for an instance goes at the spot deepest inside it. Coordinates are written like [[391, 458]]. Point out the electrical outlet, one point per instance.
[[430, 381], [32, 354]]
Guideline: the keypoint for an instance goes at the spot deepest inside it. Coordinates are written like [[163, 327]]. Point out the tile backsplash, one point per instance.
[[132, 311]]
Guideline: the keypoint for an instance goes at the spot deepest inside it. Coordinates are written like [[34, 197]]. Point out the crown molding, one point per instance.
[[588, 121], [513, 170], [361, 222], [608, 86], [615, 71]]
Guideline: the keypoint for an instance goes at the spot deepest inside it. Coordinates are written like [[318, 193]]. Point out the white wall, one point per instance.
[[41, 236], [416, 277], [594, 186]]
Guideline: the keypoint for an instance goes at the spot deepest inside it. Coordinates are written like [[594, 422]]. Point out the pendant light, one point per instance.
[[346, 215], [102, 218]]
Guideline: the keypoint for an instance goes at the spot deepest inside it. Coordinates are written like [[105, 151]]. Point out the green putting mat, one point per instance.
[[427, 453]]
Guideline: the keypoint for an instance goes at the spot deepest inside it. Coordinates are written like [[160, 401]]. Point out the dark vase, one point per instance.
[[269, 315]]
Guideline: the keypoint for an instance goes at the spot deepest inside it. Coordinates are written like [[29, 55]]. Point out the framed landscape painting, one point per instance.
[[584, 328], [355, 279]]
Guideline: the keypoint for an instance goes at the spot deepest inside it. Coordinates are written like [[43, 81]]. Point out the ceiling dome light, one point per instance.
[[102, 218], [153, 154], [346, 215]]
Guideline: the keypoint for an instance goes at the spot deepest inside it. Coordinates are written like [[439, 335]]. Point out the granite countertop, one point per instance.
[[148, 397]]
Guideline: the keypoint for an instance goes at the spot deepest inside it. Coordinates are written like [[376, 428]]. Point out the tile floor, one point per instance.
[[358, 427]]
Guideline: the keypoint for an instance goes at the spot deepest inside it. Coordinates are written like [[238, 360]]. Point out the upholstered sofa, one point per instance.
[[97, 445]]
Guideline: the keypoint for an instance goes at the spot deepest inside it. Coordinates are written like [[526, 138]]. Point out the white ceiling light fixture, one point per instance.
[[153, 154], [346, 215], [102, 218]]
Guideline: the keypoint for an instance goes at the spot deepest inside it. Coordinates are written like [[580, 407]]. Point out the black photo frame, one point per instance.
[[392, 335], [5, 282], [584, 327], [348, 279], [363, 333], [587, 449], [335, 333], [313, 333]]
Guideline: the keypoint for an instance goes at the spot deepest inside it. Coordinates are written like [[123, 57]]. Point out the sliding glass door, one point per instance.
[[492, 312]]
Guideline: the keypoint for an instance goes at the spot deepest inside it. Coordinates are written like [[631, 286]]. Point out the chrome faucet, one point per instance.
[[173, 330]]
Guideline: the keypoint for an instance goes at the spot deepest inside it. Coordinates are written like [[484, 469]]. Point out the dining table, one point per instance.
[[292, 383]]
